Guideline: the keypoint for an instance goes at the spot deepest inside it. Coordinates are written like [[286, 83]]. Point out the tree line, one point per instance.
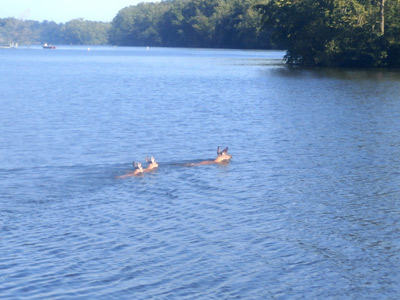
[[191, 23], [74, 32], [171, 23], [314, 32], [338, 33]]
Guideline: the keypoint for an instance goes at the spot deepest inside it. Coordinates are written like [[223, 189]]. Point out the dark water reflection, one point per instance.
[[307, 209]]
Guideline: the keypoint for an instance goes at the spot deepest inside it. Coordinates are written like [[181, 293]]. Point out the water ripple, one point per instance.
[[307, 209]]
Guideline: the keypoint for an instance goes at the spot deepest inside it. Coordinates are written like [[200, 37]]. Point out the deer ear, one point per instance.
[[152, 159], [218, 152], [134, 164], [225, 150]]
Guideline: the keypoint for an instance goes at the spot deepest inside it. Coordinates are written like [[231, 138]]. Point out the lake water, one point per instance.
[[308, 208]]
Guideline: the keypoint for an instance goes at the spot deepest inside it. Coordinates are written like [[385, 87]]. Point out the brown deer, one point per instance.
[[152, 164], [222, 158], [139, 171]]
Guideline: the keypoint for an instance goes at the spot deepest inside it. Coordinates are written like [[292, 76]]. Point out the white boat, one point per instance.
[[48, 46]]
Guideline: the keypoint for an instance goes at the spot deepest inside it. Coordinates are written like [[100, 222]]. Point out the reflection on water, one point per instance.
[[340, 74], [307, 208]]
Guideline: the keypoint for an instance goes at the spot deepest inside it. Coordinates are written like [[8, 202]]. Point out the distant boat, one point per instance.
[[48, 46]]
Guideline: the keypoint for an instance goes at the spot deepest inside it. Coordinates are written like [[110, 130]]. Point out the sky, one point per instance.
[[61, 11]]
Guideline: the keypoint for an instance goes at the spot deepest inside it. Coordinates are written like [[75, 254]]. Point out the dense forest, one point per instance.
[[191, 23], [74, 32], [362, 33], [175, 23], [314, 32]]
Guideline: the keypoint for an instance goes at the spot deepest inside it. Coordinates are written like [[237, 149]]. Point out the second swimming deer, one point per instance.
[[152, 164], [139, 171]]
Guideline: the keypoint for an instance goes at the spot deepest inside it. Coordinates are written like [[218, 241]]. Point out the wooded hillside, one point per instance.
[[344, 33]]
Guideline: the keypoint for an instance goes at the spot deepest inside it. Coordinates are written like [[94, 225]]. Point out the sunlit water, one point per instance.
[[308, 208]]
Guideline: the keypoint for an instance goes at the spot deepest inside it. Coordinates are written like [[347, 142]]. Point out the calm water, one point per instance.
[[309, 207]]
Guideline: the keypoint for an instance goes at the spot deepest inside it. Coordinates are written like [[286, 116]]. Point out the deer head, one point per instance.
[[223, 155]]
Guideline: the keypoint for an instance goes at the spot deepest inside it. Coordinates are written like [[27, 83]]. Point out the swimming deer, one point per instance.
[[222, 158], [152, 164], [137, 172]]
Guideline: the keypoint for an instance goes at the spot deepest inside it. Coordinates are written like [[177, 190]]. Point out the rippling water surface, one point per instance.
[[307, 209]]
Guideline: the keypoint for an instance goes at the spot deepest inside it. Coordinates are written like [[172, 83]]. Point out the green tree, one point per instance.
[[137, 25], [191, 23], [237, 25], [14, 30], [50, 32], [300, 26], [81, 32], [170, 26], [333, 32], [196, 26]]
